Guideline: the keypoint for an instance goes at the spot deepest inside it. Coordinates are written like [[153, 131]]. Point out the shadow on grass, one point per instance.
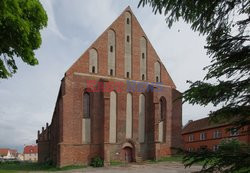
[[24, 166]]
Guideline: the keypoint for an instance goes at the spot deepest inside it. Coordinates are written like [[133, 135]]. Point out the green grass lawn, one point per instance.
[[19, 166], [167, 159]]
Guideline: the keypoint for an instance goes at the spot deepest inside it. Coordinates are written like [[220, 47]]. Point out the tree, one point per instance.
[[20, 25], [225, 23]]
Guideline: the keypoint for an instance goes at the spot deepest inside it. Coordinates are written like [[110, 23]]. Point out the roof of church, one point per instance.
[[117, 20]]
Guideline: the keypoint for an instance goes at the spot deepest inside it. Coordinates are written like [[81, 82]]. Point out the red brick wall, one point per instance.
[[66, 128], [210, 141]]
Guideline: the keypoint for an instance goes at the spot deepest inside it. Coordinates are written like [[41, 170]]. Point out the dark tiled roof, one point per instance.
[[200, 124]]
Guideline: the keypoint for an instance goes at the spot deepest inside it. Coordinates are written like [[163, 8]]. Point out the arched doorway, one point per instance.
[[128, 154]]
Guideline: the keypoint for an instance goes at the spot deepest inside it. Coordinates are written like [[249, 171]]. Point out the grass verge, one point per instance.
[[22, 166]]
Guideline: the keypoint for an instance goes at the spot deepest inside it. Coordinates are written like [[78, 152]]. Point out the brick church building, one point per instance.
[[117, 101]]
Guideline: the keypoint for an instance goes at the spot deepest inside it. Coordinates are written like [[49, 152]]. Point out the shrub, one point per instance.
[[97, 162]]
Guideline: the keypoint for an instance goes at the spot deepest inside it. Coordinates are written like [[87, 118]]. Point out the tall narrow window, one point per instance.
[[143, 55], [129, 116], [86, 105], [163, 108], [142, 118], [162, 123], [157, 71], [113, 115], [86, 121], [111, 52], [93, 61]]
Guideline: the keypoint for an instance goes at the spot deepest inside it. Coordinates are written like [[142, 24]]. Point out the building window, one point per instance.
[[215, 147], [111, 72], [127, 74], [157, 79], [128, 39], [217, 134], [111, 48], [191, 138], [93, 69], [86, 105], [143, 55], [128, 21], [234, 132], [162, 108], [203, 136], [143, 77]]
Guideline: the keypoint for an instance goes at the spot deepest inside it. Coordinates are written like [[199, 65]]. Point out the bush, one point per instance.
[[97, 162]]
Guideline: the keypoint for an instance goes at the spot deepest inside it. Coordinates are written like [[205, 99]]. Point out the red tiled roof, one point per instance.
[[200, 124], [4, 151], [30, 149]]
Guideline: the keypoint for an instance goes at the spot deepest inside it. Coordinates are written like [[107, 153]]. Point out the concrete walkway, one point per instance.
[[144, 168]]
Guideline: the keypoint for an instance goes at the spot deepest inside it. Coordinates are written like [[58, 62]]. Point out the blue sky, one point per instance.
[[27, 99]]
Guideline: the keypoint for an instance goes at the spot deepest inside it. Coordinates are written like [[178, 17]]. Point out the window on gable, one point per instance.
[[128, 38], [93, 69], [111, 72], [127, 74], [128, 21]]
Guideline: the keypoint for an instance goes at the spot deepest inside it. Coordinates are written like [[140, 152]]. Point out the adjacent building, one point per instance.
[[6, 153], [30, 153], [203, 133], [117, 101]]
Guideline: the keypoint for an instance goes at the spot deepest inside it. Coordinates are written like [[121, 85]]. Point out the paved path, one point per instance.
[[145, 168]]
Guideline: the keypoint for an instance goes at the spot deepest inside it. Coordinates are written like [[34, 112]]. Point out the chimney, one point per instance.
[[47, 125]]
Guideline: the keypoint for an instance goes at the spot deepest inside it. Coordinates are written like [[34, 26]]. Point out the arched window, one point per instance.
[[157, 71], [86, 105], [128, 21], [111, 51], [93, 61]]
